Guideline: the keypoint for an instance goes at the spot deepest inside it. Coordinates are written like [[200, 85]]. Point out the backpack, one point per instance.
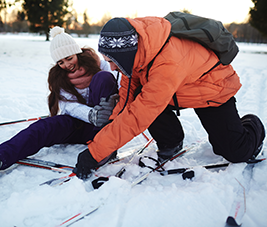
[[208, 32]]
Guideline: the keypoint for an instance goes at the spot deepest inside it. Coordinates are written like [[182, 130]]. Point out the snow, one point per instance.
[[158, 201]]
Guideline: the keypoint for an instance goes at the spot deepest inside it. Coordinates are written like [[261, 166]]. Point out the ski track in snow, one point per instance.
[[159, 201]]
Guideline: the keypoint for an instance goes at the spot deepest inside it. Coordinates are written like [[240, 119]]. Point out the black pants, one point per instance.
[[228, 137]]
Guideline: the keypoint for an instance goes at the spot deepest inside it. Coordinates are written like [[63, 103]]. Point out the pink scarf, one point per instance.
[[80, 79]]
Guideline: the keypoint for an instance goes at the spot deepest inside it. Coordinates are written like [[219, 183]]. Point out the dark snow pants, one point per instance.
[[228, 137], [61, 129]]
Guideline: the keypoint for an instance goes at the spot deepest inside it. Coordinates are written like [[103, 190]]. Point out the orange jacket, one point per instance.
[[177, 69]]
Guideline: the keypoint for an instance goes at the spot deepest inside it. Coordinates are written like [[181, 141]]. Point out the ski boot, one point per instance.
[[167, 152], [253, 122]]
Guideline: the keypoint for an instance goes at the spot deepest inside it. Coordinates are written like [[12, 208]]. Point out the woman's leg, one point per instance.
[[102, 85], [45, 133]]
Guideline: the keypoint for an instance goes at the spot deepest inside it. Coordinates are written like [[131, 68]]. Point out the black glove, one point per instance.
[[85, 164]]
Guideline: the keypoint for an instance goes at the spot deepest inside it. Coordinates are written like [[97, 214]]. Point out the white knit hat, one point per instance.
[[62, 45]]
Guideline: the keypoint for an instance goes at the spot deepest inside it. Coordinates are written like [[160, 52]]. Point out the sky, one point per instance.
[[227, 11]]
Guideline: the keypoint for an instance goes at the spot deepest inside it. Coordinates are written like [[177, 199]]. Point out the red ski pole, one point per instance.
[[23, 120]]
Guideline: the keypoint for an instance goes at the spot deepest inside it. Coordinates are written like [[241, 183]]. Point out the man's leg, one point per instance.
[[167, 132], [229, 135]]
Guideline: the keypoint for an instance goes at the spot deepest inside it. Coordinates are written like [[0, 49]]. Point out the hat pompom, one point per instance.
[[56, 31]]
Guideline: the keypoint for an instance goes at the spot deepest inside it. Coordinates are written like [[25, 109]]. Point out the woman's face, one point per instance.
[[69, 63]]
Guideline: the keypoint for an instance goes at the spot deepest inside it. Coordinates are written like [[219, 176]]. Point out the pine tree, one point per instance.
[[2, 4], [44, 14], [86, 25], [258, 16]]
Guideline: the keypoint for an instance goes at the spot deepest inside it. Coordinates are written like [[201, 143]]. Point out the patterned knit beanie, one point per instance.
[[62, 45], [118, 41]]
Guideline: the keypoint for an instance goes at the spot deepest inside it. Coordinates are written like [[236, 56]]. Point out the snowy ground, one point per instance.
[[159, 201]]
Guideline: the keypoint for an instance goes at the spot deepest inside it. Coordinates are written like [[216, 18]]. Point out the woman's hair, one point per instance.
[[58, 79]]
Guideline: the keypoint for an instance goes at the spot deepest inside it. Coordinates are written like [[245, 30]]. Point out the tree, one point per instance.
[[184, 10], [2, 4], [44, 14], [86, 25], [106, 17], [258, 16], [19, 23]]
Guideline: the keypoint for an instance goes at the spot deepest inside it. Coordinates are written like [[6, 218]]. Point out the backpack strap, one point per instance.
[[177, 108], [150, 65], [152, 61], [213, 67]]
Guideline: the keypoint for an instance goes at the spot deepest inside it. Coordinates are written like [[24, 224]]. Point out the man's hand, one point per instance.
[[85, 164]]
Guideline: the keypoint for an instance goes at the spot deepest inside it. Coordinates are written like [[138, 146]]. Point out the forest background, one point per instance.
[[38, 16]]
